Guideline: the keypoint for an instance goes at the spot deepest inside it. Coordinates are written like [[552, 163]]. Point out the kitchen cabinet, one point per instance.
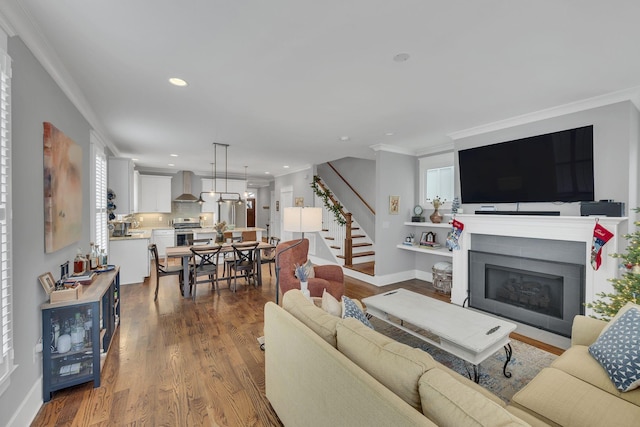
[[136, 191], [77, 334], [163, 238], [132, 255], [155, 194], [121, 181]]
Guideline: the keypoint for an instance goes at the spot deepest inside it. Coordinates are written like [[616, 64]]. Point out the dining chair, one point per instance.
[[244, 262], [204, 263], [268, 256], [165, 270]]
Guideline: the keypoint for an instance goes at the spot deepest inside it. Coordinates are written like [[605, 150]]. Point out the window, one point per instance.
[[439, 183], [99, 194], [437, 178], [6, 281]]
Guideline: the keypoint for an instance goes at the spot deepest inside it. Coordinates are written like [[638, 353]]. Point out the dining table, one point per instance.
[[185, 253]]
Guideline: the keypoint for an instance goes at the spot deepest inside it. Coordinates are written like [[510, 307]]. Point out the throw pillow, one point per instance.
[[350, 309], [330, 304], [618, 350], [308, 268]]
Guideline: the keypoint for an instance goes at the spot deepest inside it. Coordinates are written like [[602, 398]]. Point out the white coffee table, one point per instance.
[[467, 334]]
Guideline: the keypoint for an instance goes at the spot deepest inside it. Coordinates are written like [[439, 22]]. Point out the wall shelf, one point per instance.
[[439, 251], [428, 224]]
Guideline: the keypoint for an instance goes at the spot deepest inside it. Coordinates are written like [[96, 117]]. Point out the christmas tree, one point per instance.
[[627, 287]]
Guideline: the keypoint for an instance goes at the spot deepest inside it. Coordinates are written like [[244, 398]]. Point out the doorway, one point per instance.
[[251, 212]]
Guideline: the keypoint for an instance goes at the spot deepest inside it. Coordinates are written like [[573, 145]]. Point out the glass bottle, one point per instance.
[[93, 257], [103, 258], [79, 263], [77, 333]]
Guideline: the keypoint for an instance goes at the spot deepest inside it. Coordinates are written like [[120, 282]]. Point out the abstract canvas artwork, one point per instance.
[[62, 189]]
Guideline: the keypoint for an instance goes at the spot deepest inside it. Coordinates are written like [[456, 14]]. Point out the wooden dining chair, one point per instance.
[[268, 256], [165, 270], [244, 263], [204, 262]]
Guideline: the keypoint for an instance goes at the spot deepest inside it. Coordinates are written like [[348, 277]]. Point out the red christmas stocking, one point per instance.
[[600, 238]]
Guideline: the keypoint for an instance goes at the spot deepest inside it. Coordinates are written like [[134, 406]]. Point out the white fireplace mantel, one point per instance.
[[566, 228]]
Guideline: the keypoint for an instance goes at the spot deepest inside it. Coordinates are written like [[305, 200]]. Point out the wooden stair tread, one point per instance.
[[358, 254], [335, 247], [359, 245]]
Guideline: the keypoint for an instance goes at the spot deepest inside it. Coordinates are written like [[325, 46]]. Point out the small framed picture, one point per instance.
[[423, 237], [394, 205], [277, 205], [299, 202], [47, 282]]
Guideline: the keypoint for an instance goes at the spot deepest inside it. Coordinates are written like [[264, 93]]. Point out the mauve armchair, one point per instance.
[[329, 277]]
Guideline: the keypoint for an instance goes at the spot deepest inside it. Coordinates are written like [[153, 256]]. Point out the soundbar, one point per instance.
[[541, 213]]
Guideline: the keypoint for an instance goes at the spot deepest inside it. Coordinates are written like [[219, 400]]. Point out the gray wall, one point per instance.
[[395, 176], [263, 198], [615, 133], [361, 175], [36, 99]]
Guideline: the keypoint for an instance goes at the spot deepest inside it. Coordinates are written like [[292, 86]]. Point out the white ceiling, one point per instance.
[[281, 81]]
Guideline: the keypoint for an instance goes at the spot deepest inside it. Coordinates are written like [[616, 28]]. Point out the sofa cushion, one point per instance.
[[350, 309], [330, 304], [397, 366], [618, 350], [319, 321], [561, 399], [446, 402], [577, 361]]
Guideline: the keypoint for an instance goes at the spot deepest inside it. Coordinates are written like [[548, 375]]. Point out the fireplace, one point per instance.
[[543, 293]]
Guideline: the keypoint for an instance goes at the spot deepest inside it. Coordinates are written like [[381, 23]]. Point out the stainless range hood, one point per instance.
[[186, 196]]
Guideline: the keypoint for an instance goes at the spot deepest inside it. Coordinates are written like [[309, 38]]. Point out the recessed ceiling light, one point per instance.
[[344, 138], [135, 160], [173, 155], [171, 164], [267, 173], [286, 166], [178, 82], [389, 134], [401, 57]]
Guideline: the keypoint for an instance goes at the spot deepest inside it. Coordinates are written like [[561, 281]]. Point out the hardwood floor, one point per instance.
[[179, 363]]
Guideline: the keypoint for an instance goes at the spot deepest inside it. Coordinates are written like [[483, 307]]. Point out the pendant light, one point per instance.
[[246, 191]]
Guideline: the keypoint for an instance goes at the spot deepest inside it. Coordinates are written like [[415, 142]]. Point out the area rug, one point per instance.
[[525, 363]]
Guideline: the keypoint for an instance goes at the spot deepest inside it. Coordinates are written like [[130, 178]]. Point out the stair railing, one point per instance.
[[338, 221]]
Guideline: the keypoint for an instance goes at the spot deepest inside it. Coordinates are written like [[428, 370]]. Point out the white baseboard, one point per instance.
[[28, 409]]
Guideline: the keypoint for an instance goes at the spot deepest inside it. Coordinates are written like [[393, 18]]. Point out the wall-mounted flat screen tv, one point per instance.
[[556, 167]]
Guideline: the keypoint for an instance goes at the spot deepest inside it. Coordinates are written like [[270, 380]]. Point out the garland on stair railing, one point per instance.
[[330, 203]]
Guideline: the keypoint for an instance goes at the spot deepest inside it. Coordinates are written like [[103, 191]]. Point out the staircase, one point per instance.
[[350, 245]]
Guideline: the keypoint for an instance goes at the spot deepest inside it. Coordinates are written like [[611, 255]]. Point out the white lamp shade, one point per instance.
[[302, 220]]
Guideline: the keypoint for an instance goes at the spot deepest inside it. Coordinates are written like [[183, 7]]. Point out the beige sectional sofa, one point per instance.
[[322, 370]]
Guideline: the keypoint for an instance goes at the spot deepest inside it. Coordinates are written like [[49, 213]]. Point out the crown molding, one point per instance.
[[436, 149], [21, 24], [393, 149], [631, 94]]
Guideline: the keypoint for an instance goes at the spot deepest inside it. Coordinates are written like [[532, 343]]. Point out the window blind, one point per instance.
[[101, 237], [6, 282]]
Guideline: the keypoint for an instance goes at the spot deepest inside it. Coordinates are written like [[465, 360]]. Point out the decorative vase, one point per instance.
[[304, 288], [219, 237], [436, 217]]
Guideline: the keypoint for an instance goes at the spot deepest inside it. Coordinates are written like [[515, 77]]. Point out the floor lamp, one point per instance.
[[299, 220]]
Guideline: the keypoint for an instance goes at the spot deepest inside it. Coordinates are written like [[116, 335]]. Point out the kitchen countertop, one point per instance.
[[237, 229], [134, 234]]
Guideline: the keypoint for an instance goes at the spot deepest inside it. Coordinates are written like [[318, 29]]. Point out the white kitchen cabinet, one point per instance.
[[163, 238], [121, 181], [136, 191], [155, 193], [132, 255]]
